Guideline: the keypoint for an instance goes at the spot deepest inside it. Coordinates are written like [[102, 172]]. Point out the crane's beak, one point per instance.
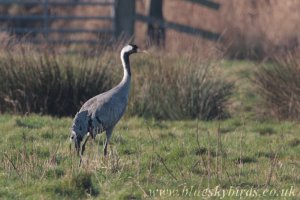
[[142, 51]]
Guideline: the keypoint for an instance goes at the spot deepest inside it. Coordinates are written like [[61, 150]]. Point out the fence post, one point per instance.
[[156, 33], [124, 18], [46, 19]]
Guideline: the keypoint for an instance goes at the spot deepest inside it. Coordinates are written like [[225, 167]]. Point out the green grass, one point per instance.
[[243, 155], [147, 158]]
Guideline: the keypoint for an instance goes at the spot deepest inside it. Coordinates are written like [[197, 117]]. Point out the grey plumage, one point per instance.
[[102, 112]]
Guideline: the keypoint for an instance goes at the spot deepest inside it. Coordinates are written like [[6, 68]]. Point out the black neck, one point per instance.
[[127, 64]]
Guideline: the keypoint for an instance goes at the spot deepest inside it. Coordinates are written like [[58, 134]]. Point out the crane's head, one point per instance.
[[79, 129], [131, 49]]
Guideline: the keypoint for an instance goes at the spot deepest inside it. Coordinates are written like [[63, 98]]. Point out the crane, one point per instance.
[[102, 112]]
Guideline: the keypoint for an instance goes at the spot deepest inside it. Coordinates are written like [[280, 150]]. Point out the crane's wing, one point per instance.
[[96, 101], [106, 108], [109, 113]]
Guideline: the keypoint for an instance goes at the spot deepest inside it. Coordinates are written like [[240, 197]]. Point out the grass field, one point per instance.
[[242, 157]]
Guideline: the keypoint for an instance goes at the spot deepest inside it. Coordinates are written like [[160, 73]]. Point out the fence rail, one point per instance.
[[69, 17], [60, 30], [57, 3], [180, 27]]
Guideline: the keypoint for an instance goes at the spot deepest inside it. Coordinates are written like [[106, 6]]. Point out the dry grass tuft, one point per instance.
[[178, 88], [168, 87], [48, 83], [278, 84]]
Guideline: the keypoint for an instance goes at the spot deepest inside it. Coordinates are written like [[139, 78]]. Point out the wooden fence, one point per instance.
[[15, 24], [121, 18]]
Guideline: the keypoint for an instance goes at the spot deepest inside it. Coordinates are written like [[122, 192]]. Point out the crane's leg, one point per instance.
[[108, 135], [82, 149], [83, 145]]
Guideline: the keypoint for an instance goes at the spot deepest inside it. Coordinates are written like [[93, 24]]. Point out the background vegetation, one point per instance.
[[278, 84], [164, 88], [46, 83]]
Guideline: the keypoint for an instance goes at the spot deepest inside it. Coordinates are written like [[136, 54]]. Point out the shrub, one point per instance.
[[47, 84], [178, 88], [163, 88], [279, 86]]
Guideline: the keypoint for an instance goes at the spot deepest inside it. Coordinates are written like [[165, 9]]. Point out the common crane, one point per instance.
[[102, 112]]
